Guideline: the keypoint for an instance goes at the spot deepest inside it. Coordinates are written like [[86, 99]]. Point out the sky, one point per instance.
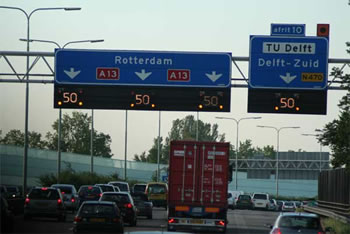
[[181, 25]]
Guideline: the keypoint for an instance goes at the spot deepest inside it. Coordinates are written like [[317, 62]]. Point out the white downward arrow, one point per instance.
[[143, 74], [213, 76], [288, 78], [72, 74]]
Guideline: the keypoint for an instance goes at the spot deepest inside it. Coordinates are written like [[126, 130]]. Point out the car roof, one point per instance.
[[99, 202], [116, 193], [68, 185], [301, 214], [122, 182]]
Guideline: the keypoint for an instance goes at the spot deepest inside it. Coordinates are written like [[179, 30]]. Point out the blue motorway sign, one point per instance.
[[142, 68], [288, 62], [296, 30]]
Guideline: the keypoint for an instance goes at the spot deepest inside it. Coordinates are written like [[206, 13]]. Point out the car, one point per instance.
[[157, 193], [288, 206], [292, 222], [123, 186], [139, 188], [244, 201], [7, 217], [279, 205], [89, 193], [44, 202], [13, 191], [232, 197], [70, 195], [143, 205], [107, 188], [272, 205], [125, 204], [98, 216], [261, 200]]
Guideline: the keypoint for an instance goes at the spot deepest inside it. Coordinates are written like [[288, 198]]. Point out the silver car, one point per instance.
[[70, 195], [45, 202]]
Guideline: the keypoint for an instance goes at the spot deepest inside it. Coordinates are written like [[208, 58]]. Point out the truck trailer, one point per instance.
[[198, 181]]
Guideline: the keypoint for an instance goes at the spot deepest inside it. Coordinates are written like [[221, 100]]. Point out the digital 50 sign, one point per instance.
[[141, 80]]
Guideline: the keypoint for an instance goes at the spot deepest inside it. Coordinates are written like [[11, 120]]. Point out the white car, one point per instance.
[[261, 200], [232, 197]]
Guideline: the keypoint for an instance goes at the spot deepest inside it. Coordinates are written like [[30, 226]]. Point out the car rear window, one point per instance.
[[140, 197], [156, 188], [89, 190], [121, 186], [260, 196], [300, 222], [244, 197], [65, 189], [106, 188], [97, 209], [289, 204], [140, 188], [12, 189], [118, 198], [47, 194]]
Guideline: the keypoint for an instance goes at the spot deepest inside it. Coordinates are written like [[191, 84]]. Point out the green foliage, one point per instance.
[[16, 137], [336, 226], [335, 134], [182, 129], [69, 176]]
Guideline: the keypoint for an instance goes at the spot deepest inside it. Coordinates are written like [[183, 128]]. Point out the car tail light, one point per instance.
[[100, 194], [73, 200], [77, 219], [63, 193], [90, 187], [27, 201], [44, 188], [276, 231], [221, 223], [173, 220], [129, 205], [59, 201]]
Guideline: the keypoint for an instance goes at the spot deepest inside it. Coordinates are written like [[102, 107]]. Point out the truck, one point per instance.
[[198, 181]]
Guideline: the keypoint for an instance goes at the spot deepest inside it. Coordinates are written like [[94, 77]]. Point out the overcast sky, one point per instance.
[[164, 25]]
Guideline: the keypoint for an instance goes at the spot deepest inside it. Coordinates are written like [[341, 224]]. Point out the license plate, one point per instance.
[[259, 204], [97, 220], [197, 209], [197, 221]]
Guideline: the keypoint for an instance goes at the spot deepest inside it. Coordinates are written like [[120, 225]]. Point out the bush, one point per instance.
[[336, 226]]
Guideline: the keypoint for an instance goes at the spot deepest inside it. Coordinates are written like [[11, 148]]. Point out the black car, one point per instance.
[[7, 217], [125, 203], [244, 202], [98, 216], [89, 193], [143, 205]]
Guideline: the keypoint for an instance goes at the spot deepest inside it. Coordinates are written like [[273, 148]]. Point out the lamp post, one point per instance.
[[278, 140], [316, 135], [28, 16], [237, 124], [60, 110]]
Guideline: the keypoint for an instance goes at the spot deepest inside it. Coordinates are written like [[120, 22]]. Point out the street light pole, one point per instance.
[[25, 154], [60, 109], [277, 154], [237, 127], [316, 135]]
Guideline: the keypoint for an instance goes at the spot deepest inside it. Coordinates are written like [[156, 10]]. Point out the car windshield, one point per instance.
[[97, 209], [260, 196], [299, 222], [156, 188], [64, 189], [44, 194], [118, 198]]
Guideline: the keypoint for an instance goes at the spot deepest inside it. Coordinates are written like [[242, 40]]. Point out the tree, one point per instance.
[[182, 129], [246, 149], [16, 137], [336, 134], [268, 151], [76, 134]]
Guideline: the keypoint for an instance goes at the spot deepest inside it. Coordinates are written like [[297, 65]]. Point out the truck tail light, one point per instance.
[[220, 223], [77, 219], [212, 210], [116, 220], [182, 208]]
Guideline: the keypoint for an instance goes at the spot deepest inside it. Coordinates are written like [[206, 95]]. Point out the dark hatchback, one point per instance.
[[98, 216], [244, 202], [89, 193], [143, 205], [125, 204]]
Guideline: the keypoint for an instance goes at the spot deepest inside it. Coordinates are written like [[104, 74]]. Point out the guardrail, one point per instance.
[[327, 213]]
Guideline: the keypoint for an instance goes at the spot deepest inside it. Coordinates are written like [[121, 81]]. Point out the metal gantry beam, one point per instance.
[[18, 77]]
